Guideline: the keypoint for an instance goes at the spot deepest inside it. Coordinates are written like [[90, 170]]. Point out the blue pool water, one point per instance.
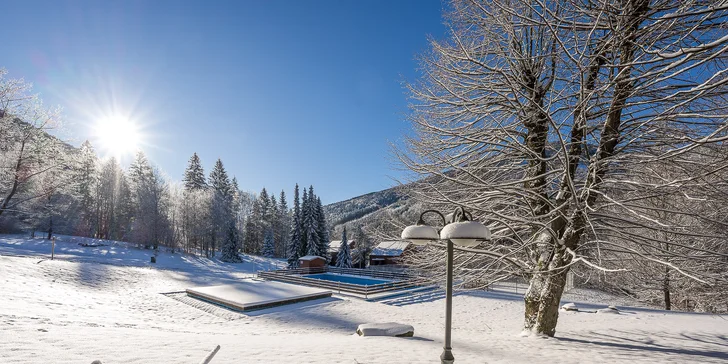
[[362, 281]]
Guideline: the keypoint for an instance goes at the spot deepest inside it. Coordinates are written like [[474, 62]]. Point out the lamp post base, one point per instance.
[[446, 356]]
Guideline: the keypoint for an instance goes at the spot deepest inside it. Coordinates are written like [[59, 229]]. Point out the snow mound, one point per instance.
[[386, 329], [610, 310], [570, 307]]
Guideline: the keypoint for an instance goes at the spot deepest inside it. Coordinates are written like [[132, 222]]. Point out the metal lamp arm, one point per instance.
[[422, 221], [460, 214]]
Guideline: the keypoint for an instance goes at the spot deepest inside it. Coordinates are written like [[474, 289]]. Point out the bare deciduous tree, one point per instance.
[[540, 115], [27, 152]]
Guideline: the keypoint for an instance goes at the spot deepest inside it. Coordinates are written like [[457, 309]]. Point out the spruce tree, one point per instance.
[[294, 245], [220, 181], [269, 245], [310, 225], [87, 176], [230, 246], [139, 173], [283, 220], [221, 209], [194, 178], [142, 185], [235, 189], [272, 214], [303, 247], [323, 230], [264, 201], [254, 228], [343, 259]]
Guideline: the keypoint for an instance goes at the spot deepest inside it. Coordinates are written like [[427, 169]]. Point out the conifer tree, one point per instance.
[[230, 247], [87, 176], [323, 230], [264, 201], [236, 203], [303, 247], [194, 178], [197, 213], [343, 259], [220, 181], [139, 170], [294, 245], [269, 244], [283, 225], [221, 208], [310, 225], [254, 228], [272, 214]]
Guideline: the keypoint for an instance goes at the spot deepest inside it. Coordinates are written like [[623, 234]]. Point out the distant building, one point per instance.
[[390, 252], [334, 250], [311, 261]]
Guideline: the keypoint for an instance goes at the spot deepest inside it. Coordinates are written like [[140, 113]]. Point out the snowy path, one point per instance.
[[75, 312]]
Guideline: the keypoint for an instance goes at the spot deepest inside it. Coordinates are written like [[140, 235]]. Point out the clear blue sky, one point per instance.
[[285, 92]]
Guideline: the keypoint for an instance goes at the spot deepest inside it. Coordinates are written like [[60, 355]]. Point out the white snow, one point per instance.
[[250, 293], [390, 248], [384, 329], [466, 233], [75, 310], [569, 307], [310, 257]]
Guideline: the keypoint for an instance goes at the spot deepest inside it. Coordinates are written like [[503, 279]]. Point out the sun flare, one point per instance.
[[118, 136]]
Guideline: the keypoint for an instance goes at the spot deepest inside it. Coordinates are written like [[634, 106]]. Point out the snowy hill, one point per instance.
[[89, 250], [374, 212], [355, 208]]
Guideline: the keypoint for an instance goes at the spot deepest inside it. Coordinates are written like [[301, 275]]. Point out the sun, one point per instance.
[[117, 136]]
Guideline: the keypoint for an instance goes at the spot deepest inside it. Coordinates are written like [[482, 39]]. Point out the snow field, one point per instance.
[[77, 311]]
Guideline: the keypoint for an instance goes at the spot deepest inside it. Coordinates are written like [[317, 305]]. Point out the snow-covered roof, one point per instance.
[[390, 248], [334, 245], [311, 257]]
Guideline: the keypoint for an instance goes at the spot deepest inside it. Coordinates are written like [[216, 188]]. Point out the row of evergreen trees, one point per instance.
[[205, 214], [267, 225], [309, 233], [222, 195]]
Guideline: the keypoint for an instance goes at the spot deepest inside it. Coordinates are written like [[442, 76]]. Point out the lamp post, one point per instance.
[[458, 229]]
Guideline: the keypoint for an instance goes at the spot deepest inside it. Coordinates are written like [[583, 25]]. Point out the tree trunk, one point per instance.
[[16, 179], [544, 295], [666, 289], [50, 227], [548, 282]]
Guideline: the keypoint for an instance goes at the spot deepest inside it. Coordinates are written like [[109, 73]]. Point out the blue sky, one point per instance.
[[285, 92]]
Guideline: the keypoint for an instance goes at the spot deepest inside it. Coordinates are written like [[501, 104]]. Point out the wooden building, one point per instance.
[[334, 246], [390, 252], [311, 261]]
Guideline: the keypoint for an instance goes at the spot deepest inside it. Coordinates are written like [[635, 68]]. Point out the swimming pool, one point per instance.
[[362, 281]]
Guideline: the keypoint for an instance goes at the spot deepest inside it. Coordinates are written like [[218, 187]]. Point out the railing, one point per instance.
[[350, 271], [299, 276]]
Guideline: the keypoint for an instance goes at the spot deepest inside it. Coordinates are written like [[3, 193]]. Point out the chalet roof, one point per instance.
[[334, 245], [390, 248], [311, 257]]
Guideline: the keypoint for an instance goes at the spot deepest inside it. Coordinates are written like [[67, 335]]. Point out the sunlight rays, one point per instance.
[[117, 136]]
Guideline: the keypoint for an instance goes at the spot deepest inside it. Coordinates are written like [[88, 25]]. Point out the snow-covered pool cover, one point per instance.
[[251, 294]]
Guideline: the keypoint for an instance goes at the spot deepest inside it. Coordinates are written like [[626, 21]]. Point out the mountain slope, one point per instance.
[[379, 214]]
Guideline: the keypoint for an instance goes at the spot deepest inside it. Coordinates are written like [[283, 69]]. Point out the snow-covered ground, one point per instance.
[[109, 304]]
